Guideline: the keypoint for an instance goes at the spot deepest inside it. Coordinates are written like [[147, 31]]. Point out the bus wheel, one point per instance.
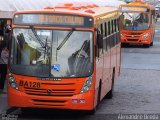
[[146, 45], [124, 45], [109, 95], [99, 94], [151, 43], [92, 112]]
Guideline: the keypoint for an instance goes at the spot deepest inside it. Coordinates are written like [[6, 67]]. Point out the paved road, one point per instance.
[[136, 91]]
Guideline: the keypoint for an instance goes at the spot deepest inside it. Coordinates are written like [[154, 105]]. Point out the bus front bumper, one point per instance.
[[76, 102], [135, 41]]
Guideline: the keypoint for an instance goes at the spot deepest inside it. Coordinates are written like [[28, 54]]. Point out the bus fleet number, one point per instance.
[[29, 84]]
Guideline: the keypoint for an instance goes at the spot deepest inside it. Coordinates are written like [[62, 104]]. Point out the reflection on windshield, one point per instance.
[[74, 59], [135, 21], [28, 48], [80, 59]]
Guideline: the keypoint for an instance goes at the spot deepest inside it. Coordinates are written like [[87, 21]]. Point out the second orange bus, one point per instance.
[[137, 24]]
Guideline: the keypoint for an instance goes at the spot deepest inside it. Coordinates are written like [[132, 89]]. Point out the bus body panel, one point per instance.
[[23, 100], [65, 93]]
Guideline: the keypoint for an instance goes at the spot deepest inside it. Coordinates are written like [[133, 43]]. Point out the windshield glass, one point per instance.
[[52, 53], [135, 21]]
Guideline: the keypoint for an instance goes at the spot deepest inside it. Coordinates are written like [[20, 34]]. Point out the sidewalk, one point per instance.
[[3, 103], [3, 100]]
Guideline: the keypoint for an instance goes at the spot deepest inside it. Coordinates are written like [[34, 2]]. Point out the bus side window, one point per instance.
[[109, 28], [117, 34], [99, 51], [108, 35], [102, 30], [104, 36], [106, 29], [114, 32], [112, 35], [118, 29], [112, 23]]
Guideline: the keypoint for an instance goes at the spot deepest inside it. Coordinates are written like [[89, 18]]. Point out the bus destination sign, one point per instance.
[[134, 9], [53, 20]]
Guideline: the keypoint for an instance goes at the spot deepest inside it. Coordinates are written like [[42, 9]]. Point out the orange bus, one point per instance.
[[137, 24], [64, 57]]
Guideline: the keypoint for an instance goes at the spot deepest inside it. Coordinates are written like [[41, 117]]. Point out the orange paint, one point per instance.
[[65, 93]]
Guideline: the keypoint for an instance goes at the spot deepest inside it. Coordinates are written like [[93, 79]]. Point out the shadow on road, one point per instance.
[[132, 46], [50, 114]]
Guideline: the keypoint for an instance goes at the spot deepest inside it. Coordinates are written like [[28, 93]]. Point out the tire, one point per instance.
[[25, 111], [109, 95], [124, 45], [151, 43], [99, 94], [92, 112], [146, 45], [28, 111]]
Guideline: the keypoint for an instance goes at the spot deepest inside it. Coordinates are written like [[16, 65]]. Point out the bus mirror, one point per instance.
[[8, 29], [100, 40]]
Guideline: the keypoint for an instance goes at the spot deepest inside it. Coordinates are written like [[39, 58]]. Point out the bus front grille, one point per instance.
[[50, 92], [134, 37], [135, 33], [50, 103], [134, 40]]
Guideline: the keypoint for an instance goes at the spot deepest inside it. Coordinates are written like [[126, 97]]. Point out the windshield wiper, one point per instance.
[[46, 47], [65, 39], [37, 37], [137, 17], [63, 42], [129, 15], [43, 45]]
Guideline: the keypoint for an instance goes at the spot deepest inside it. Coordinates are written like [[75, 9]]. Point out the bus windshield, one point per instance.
[[52, 53], [135, 21]]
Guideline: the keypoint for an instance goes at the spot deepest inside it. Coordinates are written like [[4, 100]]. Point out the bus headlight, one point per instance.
[[122, 35], [87, 85], [12, 82], [146, 35]]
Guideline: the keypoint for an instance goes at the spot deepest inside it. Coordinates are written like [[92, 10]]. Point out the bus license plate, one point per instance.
[[29, 84]]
